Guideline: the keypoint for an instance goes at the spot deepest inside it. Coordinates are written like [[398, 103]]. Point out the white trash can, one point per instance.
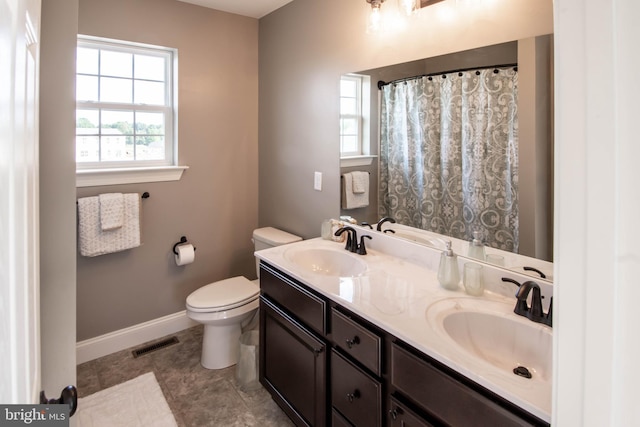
[[247, 368]]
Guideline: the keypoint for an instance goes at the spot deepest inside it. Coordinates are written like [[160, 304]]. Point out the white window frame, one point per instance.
[[362, 156], [135, 171]]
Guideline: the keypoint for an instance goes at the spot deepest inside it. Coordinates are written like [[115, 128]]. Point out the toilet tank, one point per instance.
[[269, 237]]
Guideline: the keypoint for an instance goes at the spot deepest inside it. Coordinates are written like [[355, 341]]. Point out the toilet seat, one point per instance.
[[223, 295]]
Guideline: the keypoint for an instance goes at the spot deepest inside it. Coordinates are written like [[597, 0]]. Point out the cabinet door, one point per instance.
[[292, 366], [401, 416]]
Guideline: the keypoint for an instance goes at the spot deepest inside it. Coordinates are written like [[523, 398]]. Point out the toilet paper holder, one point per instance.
[[183, 240]]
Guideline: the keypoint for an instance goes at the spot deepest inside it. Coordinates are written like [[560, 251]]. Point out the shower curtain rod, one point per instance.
[[404, 79]]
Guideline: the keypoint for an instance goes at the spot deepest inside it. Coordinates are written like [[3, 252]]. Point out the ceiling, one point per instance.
[[251, 8]]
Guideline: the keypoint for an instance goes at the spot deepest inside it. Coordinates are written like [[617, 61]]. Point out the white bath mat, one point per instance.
[[138, 402]]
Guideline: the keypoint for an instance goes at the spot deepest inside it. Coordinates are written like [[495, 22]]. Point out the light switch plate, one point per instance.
[[317, 181]]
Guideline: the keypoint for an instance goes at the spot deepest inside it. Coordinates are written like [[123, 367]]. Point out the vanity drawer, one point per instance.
[[355, 394], [401, 416], [338, 420], [443, 396], [306, 306], [357, 341]]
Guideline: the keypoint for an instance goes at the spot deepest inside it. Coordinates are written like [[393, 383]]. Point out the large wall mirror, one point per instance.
[[532, 60]]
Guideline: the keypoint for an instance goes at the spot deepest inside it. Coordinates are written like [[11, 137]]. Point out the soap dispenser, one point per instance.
[[476, 248], [448, 274]]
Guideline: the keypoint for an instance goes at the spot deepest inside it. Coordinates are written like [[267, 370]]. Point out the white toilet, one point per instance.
[[225, 306]]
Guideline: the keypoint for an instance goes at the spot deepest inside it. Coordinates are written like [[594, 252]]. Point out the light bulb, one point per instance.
[[407, 6], [375, 18]]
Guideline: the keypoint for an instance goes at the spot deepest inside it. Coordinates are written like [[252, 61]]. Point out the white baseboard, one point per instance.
[[132, 336]]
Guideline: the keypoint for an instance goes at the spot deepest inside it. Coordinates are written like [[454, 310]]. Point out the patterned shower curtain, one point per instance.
[[449, 154]]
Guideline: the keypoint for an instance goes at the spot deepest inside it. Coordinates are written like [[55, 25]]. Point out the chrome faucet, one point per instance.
[[535, 312]]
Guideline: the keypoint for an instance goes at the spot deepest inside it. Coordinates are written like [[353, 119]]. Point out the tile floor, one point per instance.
[[197, 396]]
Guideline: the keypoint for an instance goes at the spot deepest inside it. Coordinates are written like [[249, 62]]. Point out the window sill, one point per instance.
[[98, 177], [356, 161]]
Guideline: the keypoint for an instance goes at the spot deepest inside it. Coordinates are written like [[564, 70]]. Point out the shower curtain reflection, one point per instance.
[[449, 154]]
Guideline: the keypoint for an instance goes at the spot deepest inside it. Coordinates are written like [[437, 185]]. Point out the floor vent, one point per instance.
[[155, 346]]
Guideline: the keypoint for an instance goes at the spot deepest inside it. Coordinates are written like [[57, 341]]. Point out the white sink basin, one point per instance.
[[489, 331], [327, 262], [414, 238]]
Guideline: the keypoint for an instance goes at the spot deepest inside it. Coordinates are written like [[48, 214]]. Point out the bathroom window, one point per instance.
[[354, 115], [125, 105]]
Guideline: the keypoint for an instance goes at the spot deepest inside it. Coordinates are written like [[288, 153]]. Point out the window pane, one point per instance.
[[116, 64], [115, 90], [87, 88], [349, 144], [150, 148], [87, 61], [120, 121], [348, 88], [149, 67], [349, 126], [149, 123], [87, 121], [348, 106], [150, 93], [114, 146], [87, 148]]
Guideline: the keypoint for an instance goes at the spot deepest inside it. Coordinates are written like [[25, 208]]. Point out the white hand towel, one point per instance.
[[111, 211], [93, 241], [351, 200], [360, 182]]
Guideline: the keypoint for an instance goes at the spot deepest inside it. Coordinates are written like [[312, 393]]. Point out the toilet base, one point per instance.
[[220, 346]]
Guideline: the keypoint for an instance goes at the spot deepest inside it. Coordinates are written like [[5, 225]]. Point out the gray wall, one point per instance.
[[215, 203], [57, 194], [305, 47]]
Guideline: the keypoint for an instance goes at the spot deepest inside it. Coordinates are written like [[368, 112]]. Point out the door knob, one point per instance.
[[69, 396]]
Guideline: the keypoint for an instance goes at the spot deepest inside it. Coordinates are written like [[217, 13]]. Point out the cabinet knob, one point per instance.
[[354, 341], [395, 412], [354, 395]]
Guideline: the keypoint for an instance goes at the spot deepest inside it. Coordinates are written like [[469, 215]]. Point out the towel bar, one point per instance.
[[145, 195], [342, 176]]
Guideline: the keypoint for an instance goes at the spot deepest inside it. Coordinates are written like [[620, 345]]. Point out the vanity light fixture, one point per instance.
[[425, 3], [467, 3], [408, 7], [374, 17]]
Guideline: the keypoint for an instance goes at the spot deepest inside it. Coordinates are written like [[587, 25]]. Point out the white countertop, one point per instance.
[[396, 293]]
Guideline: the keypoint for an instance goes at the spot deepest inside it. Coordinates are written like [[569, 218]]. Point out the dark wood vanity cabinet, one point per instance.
[[446, 398], [399, 415], [293, 359], [324, 366]]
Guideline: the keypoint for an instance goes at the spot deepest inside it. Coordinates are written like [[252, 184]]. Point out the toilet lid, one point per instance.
[[228, 293]]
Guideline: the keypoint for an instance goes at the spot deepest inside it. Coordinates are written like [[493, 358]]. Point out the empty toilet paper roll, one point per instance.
[[186, 254]]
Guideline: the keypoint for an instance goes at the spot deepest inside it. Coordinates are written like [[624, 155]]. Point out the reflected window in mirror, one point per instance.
[[354, 115]]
